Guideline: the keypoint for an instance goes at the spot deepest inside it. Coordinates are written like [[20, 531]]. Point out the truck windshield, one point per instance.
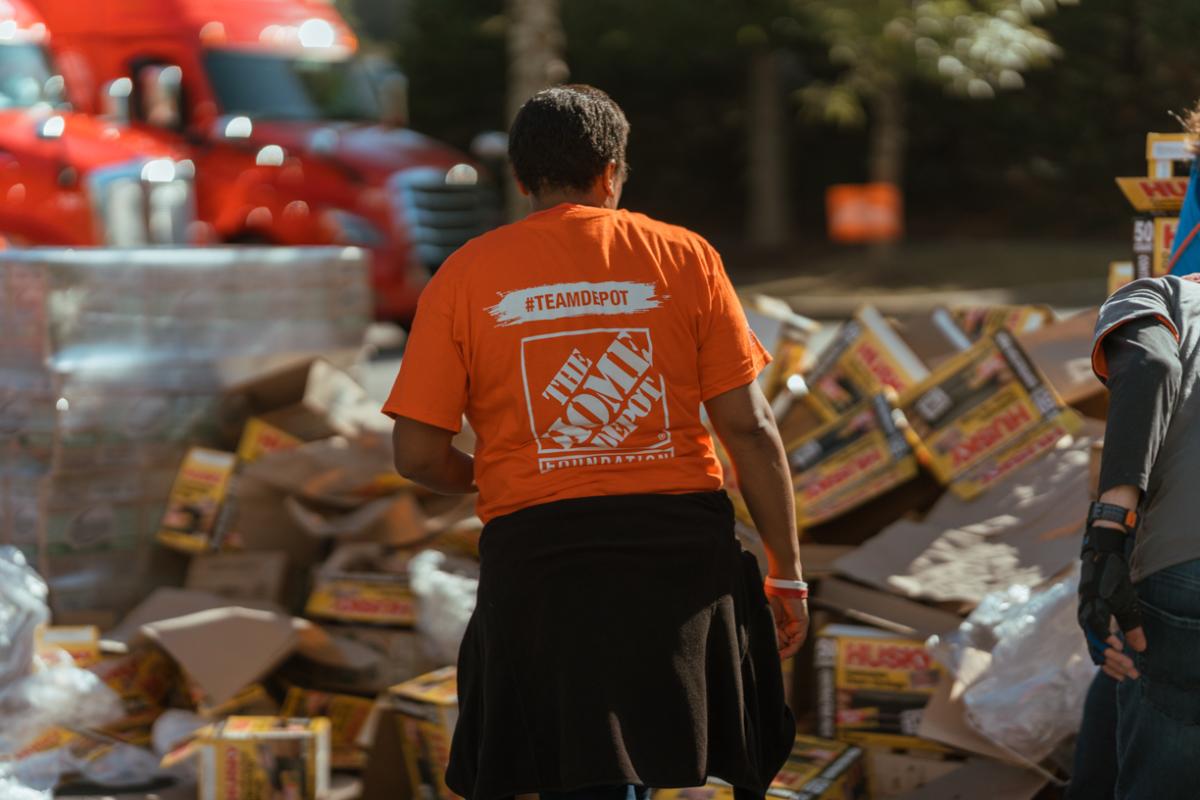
[[271, 86], [26, 77]]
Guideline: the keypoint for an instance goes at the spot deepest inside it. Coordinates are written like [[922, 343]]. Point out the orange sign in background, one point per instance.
[[864, 212]]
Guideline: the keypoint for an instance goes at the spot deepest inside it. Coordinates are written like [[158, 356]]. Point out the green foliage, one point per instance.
[[1040, 163], [971, 47]]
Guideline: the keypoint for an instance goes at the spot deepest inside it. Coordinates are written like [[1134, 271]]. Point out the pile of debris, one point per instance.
[[226, 571], [943, 465], [238, 591]]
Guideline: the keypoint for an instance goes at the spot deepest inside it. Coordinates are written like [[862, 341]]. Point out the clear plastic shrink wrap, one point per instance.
[[1030, 694]]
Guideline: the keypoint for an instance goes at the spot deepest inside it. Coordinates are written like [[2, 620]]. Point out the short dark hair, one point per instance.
[[563, 137]]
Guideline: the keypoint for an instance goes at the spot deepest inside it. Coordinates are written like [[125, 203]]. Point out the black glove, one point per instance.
[[1105, 590]]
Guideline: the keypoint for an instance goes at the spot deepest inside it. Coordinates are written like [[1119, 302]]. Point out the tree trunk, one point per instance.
[[767, 207], [536, 46], [888, 139], [888, 134]]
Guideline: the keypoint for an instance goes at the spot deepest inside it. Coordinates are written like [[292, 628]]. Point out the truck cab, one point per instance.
[[281, 117], [71, 179]]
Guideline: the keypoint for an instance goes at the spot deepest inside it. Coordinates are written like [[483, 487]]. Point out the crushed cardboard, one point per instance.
[[983, 414], [865, 357], [1025, 530], [864, 453], [223, 650], [1063, 353], [1003, 782], [882, 610], [256, 576]]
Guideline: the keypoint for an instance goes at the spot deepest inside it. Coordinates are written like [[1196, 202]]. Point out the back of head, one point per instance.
[[564, 137]]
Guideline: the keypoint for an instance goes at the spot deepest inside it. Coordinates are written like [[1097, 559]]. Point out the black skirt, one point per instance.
[[618, 640]]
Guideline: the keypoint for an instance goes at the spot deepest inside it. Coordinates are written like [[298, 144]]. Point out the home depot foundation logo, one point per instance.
[[595, 398]]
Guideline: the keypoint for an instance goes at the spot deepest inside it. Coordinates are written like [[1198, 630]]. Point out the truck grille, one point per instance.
[[440, 217]]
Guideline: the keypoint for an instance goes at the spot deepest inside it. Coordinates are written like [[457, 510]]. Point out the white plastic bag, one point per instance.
[[445, 588], [38, 692], [1030, 697]]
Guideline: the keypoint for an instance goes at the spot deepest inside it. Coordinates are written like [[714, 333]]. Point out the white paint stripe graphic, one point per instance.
[[561, 300]]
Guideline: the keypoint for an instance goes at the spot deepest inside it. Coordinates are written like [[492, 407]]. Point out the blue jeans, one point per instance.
[[1158, 715], [1094, 774], [626, 792]]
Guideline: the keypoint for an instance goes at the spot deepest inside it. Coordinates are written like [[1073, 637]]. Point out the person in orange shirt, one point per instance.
[[621, 638]]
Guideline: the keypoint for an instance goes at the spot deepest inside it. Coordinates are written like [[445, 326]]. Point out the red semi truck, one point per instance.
[[292, 140], [71, 179]]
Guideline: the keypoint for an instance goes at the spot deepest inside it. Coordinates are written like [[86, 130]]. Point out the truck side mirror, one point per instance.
[[115, 100], [160, 95], [393, 99]]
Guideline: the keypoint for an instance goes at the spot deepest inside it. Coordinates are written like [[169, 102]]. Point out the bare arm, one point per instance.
[[742, 419], [424, 454]]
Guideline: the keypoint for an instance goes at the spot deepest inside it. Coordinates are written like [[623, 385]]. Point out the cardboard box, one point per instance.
[[1063, 353], [395, 655], [817, 769], [81, 642], [260, 437], [1164, 239], [203, 642], [881, 610], [196, 500], [310, 400], [872, 686], [347, 716], [1120, 273], [934, 336], [865, 357], [790, 355], [980, 321], [257, 575], [1143, 246], [379, 599], [797, 412], [984, 414], [143, 678], [855, 458], [422, 715], [259, 758], [895, 773]]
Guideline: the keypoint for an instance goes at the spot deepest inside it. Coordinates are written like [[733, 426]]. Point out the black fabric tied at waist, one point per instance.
[[618, 640]]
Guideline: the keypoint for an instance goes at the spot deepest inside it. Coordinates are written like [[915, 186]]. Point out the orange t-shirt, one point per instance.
[[580, 343]]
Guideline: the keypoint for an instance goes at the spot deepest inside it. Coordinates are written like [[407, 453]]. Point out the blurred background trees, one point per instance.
[[1001, 117]]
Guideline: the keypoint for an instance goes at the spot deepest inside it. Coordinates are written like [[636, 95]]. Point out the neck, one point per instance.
[[552, 198]]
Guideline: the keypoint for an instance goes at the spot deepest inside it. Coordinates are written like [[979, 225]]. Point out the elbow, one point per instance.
[[409, 464]]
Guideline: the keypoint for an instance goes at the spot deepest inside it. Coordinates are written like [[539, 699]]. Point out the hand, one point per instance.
[[1105, 592], [1116, 664], [791, 623]]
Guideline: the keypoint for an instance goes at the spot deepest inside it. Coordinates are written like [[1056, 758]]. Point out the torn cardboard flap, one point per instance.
[[945, 721], [338, 472], [168, 602], [310, 400], [882, 610], [1063, 352], [1003, 782], [396, 520], [224, 650], [1023, 531]]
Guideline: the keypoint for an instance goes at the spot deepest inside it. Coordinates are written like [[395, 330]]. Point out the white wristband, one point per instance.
[[783, 583]]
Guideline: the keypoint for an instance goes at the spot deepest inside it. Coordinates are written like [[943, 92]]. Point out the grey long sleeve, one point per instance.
[[1144, 376]]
